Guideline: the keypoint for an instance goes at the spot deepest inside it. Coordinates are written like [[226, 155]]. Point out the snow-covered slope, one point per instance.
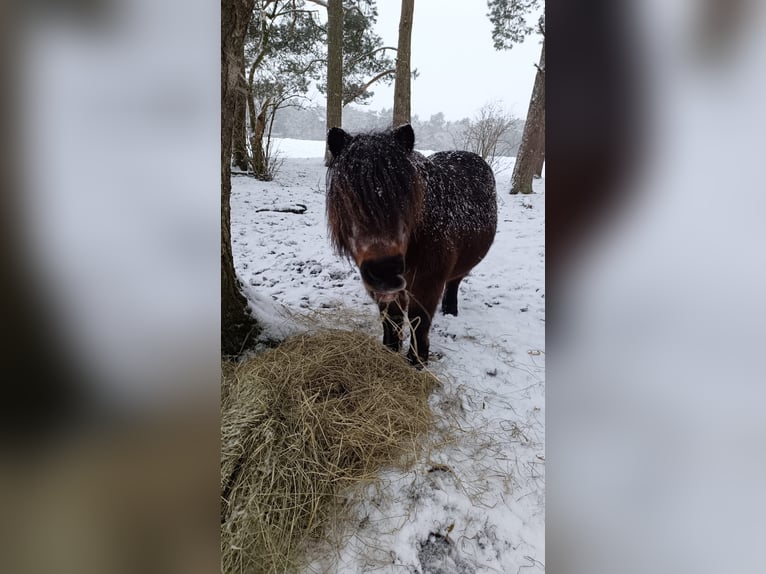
[[477, 504]]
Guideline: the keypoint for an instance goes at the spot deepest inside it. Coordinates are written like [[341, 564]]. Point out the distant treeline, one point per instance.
[[436, 133]]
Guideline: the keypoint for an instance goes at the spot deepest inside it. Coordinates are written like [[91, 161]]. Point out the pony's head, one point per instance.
[[375, 198]]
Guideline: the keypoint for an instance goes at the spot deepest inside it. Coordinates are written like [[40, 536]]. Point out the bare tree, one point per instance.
[[488, 133], [282, 50], [402, 83], [258, 105], [236, 322], [529, 160]]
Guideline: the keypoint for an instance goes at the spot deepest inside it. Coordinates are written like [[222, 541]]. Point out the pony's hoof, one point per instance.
[[416, 361], [393, 347], [418, 366]]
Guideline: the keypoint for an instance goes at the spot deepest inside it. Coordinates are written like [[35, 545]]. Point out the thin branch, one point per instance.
[[321, 3], [295, 104], [370, 53], [294, 11], [311, 63], [363, 89], [263, 46], [273, 114]]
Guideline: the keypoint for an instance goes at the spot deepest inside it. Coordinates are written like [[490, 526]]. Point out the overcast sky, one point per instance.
[[459, 69]]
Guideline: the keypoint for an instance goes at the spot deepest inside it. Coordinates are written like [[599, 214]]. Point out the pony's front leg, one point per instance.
[[421, 311], [392, 315]]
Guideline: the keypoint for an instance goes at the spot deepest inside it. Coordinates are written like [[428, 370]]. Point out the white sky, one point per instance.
[[459, 69]]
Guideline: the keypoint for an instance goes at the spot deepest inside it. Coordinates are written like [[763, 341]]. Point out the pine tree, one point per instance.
[[510, 27], [356, 56]]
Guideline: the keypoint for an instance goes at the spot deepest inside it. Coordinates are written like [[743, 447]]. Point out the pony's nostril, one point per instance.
[[367, 273], [371, 273], [385, 272]]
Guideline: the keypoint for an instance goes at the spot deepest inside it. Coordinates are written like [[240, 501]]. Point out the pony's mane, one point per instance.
[[372, 185]]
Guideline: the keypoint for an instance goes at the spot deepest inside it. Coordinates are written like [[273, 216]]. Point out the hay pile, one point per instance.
[[300, 424]]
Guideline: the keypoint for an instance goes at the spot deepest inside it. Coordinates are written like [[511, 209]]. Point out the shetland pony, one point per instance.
[[414, 225]]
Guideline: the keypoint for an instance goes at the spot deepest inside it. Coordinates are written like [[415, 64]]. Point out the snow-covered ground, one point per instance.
[[477, 504]]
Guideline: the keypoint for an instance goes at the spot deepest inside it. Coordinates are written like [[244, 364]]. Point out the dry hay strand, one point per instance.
[[300, 424]]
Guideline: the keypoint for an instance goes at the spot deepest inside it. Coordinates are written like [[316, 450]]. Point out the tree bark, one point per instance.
[[540, 162], [530, 157], [258, 129], [237, 325], [403, 76], [239, 143], [540, 158], [334, 68]]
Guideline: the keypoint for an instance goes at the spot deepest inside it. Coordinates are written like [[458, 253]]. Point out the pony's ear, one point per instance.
[[337, 139], [405, 137]]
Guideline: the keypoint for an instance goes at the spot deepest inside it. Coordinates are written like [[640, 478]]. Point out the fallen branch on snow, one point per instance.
[[298, 208]]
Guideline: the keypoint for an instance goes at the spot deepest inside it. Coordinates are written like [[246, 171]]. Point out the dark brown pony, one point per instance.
[[415, 226]]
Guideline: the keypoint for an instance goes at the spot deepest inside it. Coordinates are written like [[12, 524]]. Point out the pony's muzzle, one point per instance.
[[384, 275]]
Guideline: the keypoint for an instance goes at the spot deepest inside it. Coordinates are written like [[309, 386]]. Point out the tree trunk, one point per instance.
[[236, 322], [532, 149], [258, 122], [334, 68], [239, 143], [540, 159], [403, 76]]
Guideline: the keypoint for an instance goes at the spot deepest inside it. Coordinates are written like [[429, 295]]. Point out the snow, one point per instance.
[[473, 505], [288, 147]]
